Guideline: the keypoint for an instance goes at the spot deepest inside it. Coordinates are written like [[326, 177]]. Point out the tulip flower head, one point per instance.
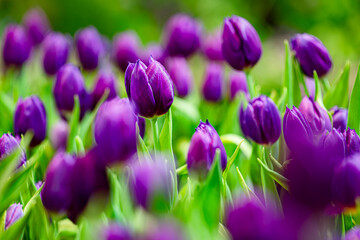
[[180, 74], [115, 231], [213, 85], [13, 214], [8, 144], [105, 80], [211, 46], [59, 135], [353, 234], [352, 142], [238, 84], [36, 24], [339, 118]]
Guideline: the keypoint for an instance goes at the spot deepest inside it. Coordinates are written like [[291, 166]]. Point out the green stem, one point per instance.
[[326, 84], [250, 84], [181, 170], [343, 225], [155, 129]]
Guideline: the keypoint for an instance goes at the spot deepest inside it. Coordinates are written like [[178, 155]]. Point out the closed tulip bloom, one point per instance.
[[352, 142], [126, 48], [115, 130], [37, 25], [149, 89], [30, 115], [261, 121], [105, 80], [59, 135], [68, 83], [339, 118], [203, 145], [116, 231], [311, 54], [16, 45], [90, 47], [8, 144], [180, 74], [211, 46], [238, 84], [241, 45], [182, 35], [13, 214], [213, 85], [353, 234]]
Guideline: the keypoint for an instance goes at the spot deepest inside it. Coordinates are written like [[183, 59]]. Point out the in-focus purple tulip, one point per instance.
[[180, 74], [105, 80], [8, 144], [352, 142], [116, 231], [156, 51], [126, 49], [36, 24], [261, 121], [339, 118], [213, 85], [16, 45], [311, 54], [241, 45], [149, 89], [13, 214], [30, 115], [115, 130], [59, 135], [202, 149], [90, 47], [211, 46], [353, 234], [56, 48], [68, 83], [238, 84], [182, 35]]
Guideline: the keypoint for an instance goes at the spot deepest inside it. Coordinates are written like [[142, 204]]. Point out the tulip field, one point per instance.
[[113, 140]]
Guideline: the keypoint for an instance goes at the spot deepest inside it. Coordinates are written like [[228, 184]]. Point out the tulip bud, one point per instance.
[[311, 54], [353, 234], [115, 130], [37, 25], [68, 83], [115, 231], [213, 85], [16, 45], [13, 214], [261, 120], [202, 149], [90, 47], [339, 118], [126, 48], [352, 142], [211, 46], [105, 80], [238, 84], [7, 145], [149, 89], [59, 135], [30, 115], [180, 74], [241, 46], [182, 35]]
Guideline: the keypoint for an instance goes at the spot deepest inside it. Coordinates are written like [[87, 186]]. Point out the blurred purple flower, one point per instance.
[[116, 231], [352, 142], [59, 135], [13, 214], [339, 118], [238, 84], [36, 24], [211, 46], [105, 80], [213, 85], [180, 74], [8, 144]]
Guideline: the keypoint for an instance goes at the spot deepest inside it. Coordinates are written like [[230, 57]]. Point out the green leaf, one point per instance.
[[354, 109], [187, 109], [231, 160], [281, 103], [80, 150], [141, 146], [318, 95], [280, 179], [74, 125], [182, 170], [289, 78], [245, 147]]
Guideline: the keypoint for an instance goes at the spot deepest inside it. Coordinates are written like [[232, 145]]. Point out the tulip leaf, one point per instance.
[[318, 95], [7, 107], [141, 146], [187, 109], [354, 109], [284, 182], [281, 101], [231, 160], [74, 125], [182, 170], [230, 122], [245, 146], [243, 184], [289, 78]]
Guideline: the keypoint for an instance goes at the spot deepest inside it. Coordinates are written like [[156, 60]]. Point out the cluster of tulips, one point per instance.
[[98, 171]]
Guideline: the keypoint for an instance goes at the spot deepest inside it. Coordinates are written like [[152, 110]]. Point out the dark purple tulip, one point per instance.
[[165, 230], [115, 130], [30, 115], [105, 80], [126, 48], [238, 84], [180, 74], [37, 25], [353, 234], [213, 84], [352, 142], [56, 48], [339, 118], [16, 45], [182, 35], [202, 149], [116, 231], [68, 83], [7, 145], [13, 214], [211, 46], [311, 54], [156, 51], [241, 46], [90, 47], [59, 135], [261, 120], [149, 89]]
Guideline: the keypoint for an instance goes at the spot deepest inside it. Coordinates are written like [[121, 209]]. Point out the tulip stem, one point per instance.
[[155, 129], [250, 84]]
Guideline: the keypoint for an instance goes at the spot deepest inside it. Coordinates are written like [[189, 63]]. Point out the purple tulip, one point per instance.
[[59, 135], [13, 214], [155, 51], [68, 83], [211, 46], [353, 234], [213, 85], [339, 118], [56, 48], [182, 35], [310, 85], [311, 54], [180, 74], [126, 48], [37, 25], [7, 145], [261, 120], [241, 46], [30, 115], [202, 149], [352, 142], [149, 89], [238, 84], [16, 45], [116, 231], [115, 130], [90, 47], [105, 80], [165, 230]]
